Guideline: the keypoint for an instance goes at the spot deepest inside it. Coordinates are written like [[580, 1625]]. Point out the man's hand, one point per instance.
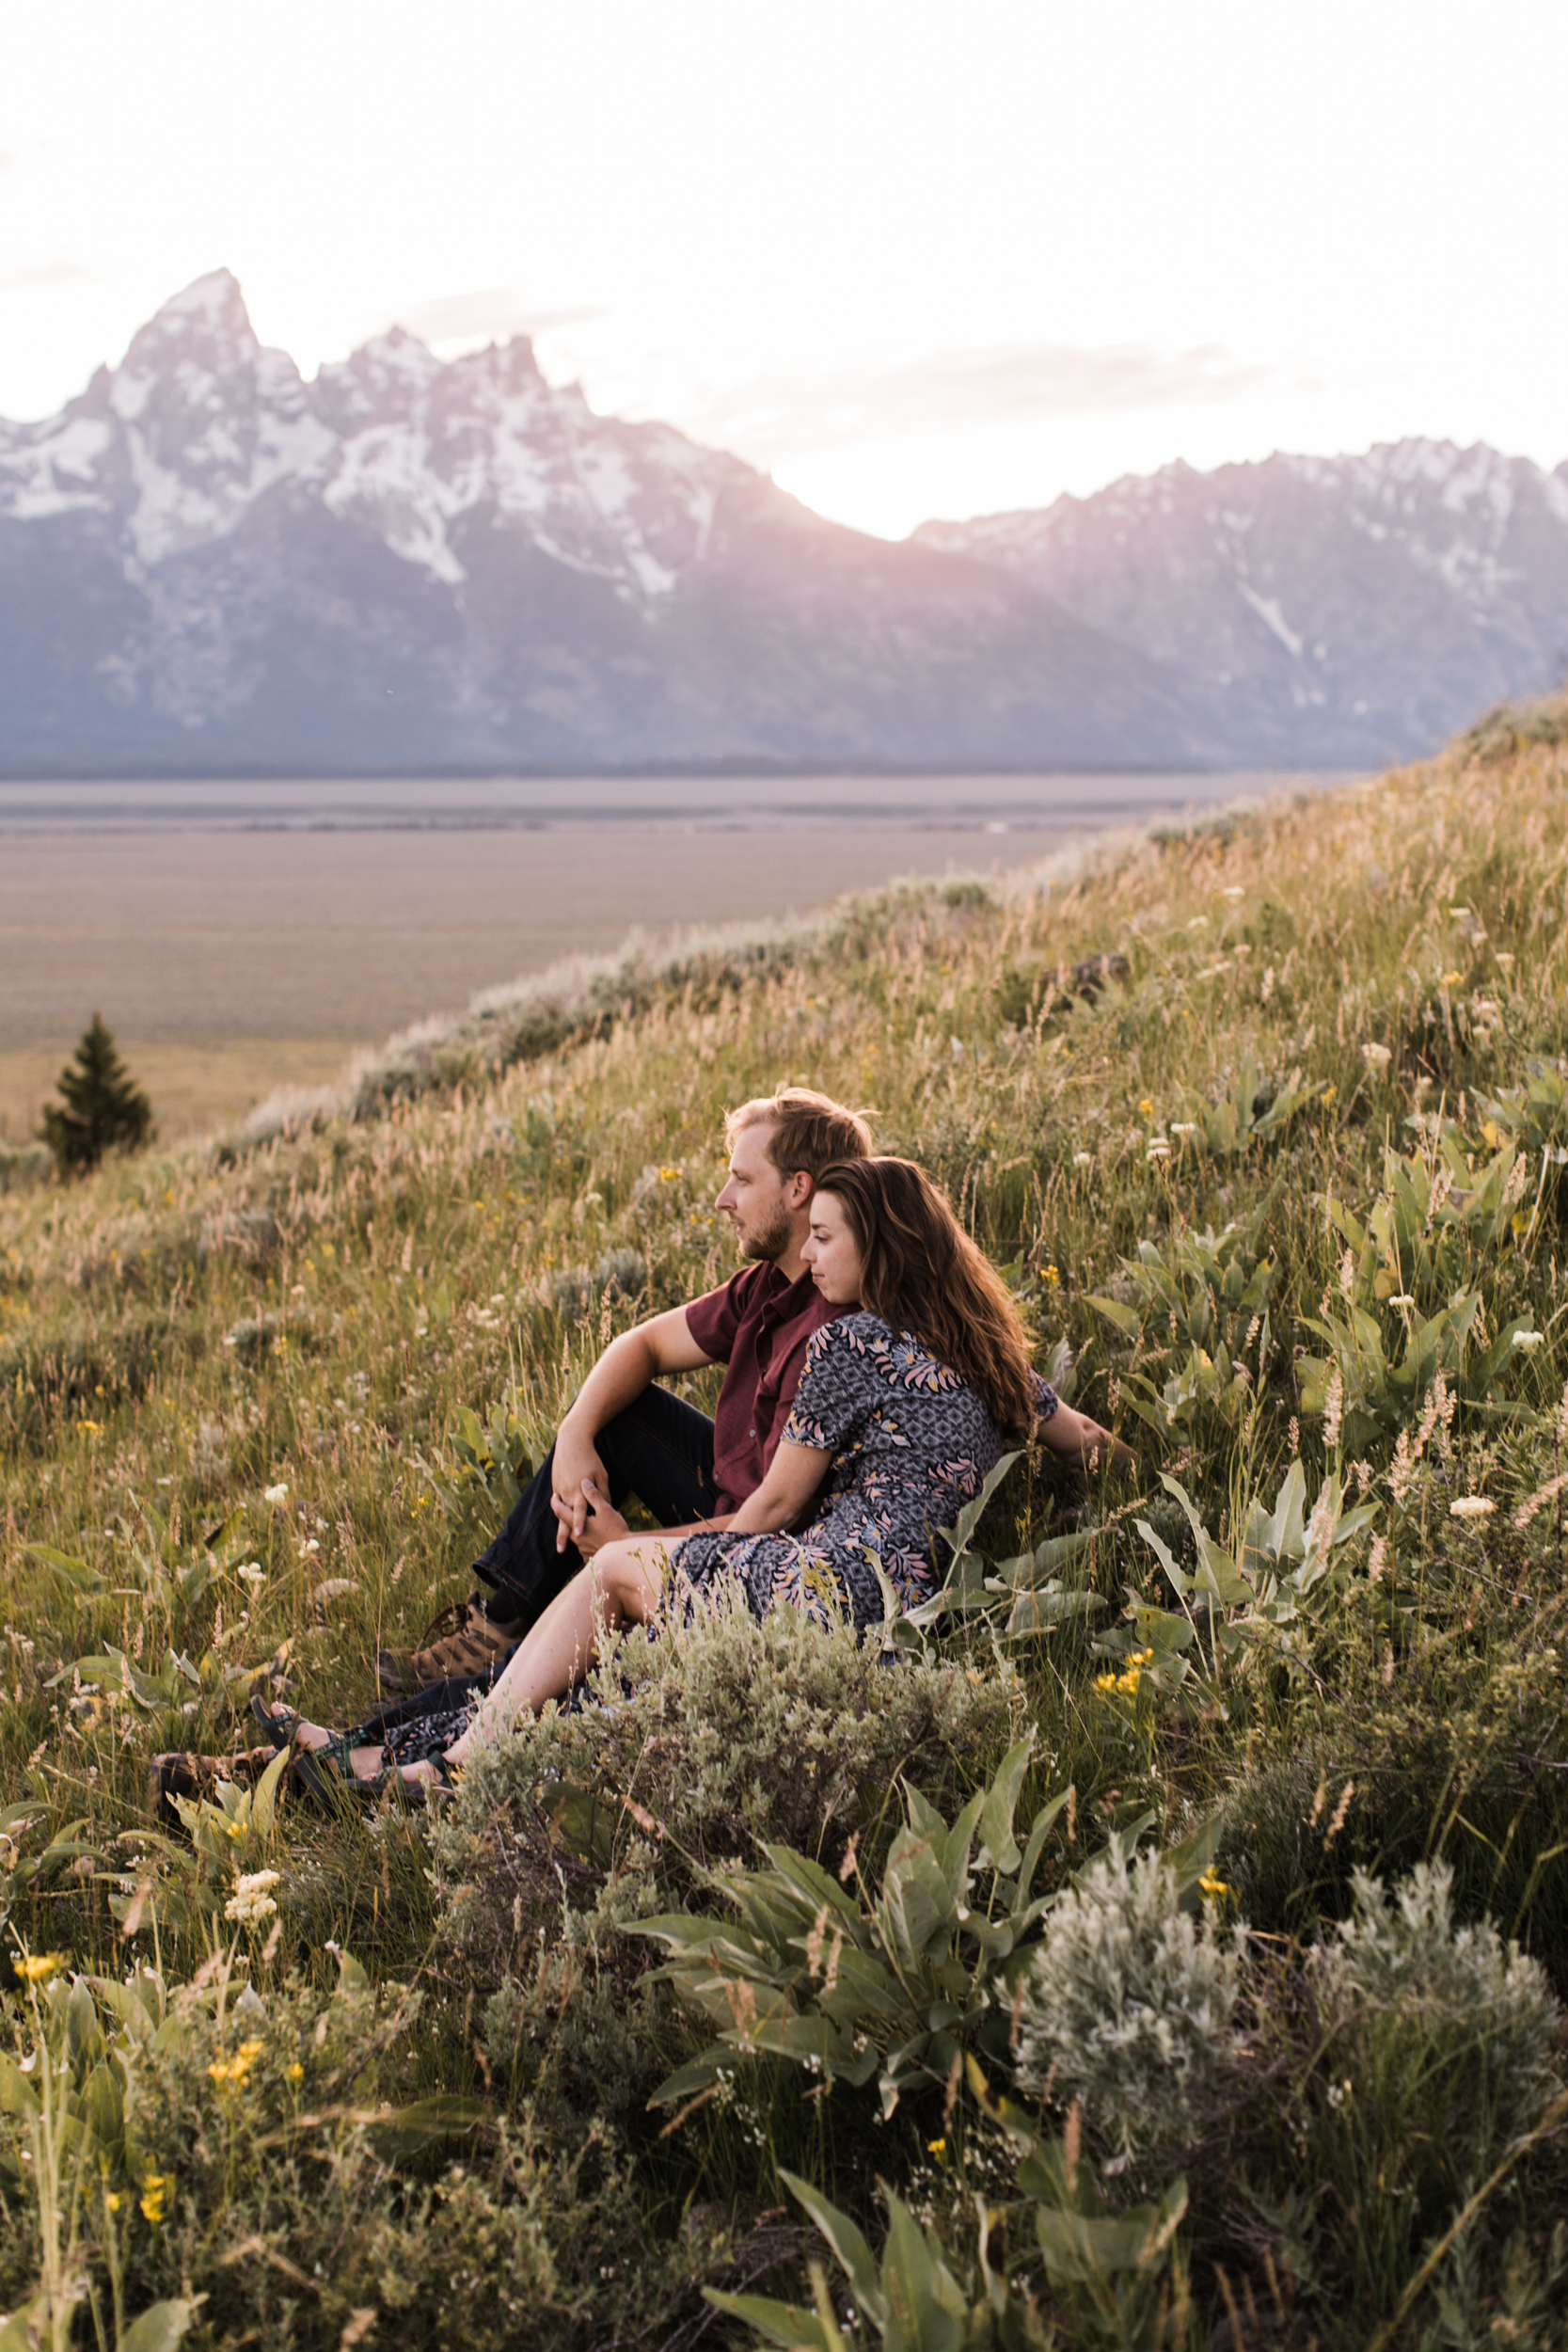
[[603, 1523], [661, 1346], [577, 1468]]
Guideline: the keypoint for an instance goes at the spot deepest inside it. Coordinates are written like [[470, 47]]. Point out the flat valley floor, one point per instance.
[[239, 937]]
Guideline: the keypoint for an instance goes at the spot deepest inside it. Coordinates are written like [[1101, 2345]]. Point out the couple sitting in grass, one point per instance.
[[876, 1372]]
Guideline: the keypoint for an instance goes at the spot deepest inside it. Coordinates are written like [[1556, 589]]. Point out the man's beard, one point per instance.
[[773, 1241]]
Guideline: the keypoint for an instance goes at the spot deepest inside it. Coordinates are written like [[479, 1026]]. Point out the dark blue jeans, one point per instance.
[[659, 1450]]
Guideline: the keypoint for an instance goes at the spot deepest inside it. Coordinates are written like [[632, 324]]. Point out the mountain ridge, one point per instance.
[[1419, 579], [209, 565]]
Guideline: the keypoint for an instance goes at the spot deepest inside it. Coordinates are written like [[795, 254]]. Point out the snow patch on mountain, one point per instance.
[[200, 423]]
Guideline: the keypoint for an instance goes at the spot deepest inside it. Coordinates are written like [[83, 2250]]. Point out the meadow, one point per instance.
[[1157, 1942]]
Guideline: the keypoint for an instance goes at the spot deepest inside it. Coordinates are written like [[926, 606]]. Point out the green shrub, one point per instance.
[[694, 1751], [1129, 2007], [229, 2147]]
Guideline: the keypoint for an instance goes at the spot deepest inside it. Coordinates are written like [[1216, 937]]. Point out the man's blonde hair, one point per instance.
[[810, 1131]]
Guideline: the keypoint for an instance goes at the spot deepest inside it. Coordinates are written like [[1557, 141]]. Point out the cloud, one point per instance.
[[490, 314], [793, 408], [37, 275]]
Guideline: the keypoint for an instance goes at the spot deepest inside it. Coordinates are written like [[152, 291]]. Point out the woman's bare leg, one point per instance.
[[621, 1584]]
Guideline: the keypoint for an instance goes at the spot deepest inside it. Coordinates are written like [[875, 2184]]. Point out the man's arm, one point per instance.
[[628, 1365]]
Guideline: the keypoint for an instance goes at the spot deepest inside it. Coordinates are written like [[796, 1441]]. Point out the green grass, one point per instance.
[[315, 1305]]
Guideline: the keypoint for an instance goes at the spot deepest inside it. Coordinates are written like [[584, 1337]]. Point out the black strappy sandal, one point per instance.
[[326, 1774]]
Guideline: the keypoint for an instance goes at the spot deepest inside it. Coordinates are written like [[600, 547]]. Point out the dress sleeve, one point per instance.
[[1046, 1399], [832, 1402]]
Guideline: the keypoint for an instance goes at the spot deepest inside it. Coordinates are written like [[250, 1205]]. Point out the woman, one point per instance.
[[907, 1401]]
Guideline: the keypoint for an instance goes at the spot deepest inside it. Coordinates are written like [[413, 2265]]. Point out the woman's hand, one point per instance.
[[1082, 1441]]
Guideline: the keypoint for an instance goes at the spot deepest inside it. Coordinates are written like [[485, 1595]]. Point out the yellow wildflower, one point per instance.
[[155, 2189], [294, 2073], [669, 1175], [1126, 1683], [1214, 1886], [937, 2148], [1052, 1276], [34, 1966], [234, 2070], [1146, 1108]]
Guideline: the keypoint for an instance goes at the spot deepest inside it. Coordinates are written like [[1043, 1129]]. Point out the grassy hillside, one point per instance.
[[1267, 1120]]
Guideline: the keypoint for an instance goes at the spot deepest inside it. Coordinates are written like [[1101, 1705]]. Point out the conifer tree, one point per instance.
[[103, 1107]]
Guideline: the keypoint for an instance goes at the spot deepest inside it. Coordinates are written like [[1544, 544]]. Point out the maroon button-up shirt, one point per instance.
[[759, 1324]]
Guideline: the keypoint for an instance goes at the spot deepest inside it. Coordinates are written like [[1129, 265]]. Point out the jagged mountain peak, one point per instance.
[[202, 426], [213, 304]]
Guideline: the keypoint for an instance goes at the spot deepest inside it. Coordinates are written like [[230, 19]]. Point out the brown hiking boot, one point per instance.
[[461, 1641]]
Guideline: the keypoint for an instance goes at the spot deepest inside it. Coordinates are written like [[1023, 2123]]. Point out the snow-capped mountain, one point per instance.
[[1323, 608], [207, 562]]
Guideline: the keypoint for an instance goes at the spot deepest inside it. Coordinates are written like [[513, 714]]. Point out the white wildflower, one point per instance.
[[1472, 1508], [252, 1573], [1528, 1342], [1538, 1502], [1401, 1471], [1376, 1057], [251, 1902], [335, 1588], [1082, 1159], [274, 1494], [1334, 1409]]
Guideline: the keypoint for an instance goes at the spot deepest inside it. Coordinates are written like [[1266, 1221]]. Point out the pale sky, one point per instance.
[[912, 257]]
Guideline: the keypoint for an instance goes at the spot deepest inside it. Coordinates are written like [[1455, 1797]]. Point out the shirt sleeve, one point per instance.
[[832, 1402], [1046, 1399], [714, 1319]]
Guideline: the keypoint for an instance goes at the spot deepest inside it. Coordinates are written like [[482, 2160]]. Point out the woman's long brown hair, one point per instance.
[[923, 1273]]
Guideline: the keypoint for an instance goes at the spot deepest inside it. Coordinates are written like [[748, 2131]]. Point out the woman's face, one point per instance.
[[830, 1250]]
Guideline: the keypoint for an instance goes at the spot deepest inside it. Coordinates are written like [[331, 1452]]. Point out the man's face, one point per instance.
[[758, 1201]]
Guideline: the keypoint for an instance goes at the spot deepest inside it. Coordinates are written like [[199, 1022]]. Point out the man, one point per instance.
[[626, 1434]]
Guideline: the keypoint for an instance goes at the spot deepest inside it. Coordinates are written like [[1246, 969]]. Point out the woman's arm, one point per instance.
[[1060, 1430], [793, 1478]]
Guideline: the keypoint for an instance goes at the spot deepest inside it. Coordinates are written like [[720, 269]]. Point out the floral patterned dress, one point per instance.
[[911, 1444]]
